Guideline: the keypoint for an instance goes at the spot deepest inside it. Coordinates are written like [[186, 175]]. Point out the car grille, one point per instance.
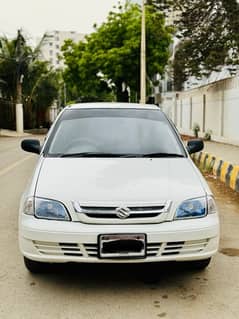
[[130, 214], [91, 249], [135, 212]]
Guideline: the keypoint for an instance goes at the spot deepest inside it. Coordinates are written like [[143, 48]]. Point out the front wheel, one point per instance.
[[35, 266], [199, 264]]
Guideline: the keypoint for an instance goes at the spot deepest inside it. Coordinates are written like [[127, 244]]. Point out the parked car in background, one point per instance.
[[114, 183]]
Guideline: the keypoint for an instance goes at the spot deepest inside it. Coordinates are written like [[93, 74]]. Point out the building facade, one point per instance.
[[51, 48]]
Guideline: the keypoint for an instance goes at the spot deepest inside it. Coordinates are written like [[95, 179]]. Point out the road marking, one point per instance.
[[12, 166]]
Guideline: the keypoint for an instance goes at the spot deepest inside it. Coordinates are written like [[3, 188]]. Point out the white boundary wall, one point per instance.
[[214, 107]]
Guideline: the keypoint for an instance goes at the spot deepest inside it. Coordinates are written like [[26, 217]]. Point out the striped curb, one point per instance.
[[225, 171]]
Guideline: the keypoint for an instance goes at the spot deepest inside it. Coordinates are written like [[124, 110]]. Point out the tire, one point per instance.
[[199, 264], [35, 267]]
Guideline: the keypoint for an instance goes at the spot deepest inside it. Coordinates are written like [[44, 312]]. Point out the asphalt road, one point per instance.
[[112, 291]]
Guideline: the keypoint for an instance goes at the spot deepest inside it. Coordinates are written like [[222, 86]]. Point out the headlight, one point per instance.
[[50, 209], [45, 209], [193, 208]]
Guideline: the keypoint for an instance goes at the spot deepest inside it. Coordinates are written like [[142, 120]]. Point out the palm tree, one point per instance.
[[20, 68]]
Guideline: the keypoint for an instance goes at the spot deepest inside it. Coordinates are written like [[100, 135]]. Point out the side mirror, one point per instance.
[[195, 146], [32, 146]]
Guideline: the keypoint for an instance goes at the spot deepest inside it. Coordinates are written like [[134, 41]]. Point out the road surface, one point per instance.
[[112, 291]]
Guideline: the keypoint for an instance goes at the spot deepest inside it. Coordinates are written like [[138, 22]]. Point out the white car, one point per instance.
[[115, 184]]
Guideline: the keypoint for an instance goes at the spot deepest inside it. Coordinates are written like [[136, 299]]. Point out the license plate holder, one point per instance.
[[124, 246]]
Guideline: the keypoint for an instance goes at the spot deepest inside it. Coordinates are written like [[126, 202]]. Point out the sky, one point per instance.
[[35, 17]]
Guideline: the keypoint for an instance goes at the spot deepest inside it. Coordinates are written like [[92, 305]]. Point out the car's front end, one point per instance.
[[113, 209], [66, 218], [59, 241]]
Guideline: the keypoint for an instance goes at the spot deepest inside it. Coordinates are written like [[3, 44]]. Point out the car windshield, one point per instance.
[[113, 132]]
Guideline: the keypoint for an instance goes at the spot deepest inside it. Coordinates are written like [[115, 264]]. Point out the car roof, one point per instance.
[[111, 105]]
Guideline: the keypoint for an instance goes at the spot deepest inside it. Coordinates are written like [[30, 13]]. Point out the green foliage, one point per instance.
[[212, 27], [40, 83], [209, 33], [164, 6], [40, 89], [179, 64], [208, 135], [8, 66], [82, 73], [110, 57], [196, 129]]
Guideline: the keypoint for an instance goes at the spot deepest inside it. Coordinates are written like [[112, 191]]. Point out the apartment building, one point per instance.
[[51, 47]]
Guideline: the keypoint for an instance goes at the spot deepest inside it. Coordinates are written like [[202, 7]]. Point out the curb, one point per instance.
[[9, 133], [225, 171]]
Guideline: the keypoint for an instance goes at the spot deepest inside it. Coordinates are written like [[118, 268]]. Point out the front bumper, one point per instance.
[[59, 242]]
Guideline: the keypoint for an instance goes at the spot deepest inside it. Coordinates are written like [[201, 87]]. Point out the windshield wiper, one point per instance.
[[91, 154], [102, 154], [162, 155]]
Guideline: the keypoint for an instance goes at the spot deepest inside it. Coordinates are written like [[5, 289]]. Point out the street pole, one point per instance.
[[19, 107], [143, 58]]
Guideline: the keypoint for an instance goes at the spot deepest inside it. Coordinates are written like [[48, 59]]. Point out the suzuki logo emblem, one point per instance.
[[123, 212]]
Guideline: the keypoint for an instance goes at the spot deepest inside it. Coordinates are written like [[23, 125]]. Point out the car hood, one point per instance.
[[121, 180], [118, 180]]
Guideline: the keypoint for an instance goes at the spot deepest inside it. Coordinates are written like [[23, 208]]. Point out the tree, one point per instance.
[[211, 30], [18, 61], [164, 6], [9, 66], [212, 27], [111, 54], [40, 89], [179, 64], [81, 76]]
